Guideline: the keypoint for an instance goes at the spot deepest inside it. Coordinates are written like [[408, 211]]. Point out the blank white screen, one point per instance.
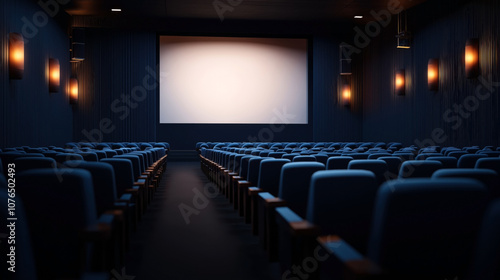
[[233, 80]]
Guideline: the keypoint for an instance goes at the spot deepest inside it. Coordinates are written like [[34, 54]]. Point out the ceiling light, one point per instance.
[[116, 10], [358, 16]]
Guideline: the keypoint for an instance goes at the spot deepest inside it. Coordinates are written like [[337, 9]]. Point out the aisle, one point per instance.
[[216, 244]]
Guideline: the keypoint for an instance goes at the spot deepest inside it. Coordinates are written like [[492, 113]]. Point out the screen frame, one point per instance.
[[309, 56]]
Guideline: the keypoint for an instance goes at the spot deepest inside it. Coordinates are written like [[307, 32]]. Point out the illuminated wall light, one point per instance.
[[472, 58], [16, 56], [54, 75], [399, 85], [73, 91], [346, 95], [433, 74]]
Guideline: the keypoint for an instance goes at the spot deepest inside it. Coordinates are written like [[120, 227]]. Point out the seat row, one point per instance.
[[80, 212], [292, 202]]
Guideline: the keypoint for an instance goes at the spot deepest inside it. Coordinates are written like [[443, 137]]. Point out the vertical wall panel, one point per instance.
[[440, 30], [30, 115]]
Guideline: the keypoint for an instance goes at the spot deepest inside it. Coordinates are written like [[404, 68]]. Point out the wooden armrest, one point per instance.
[[100, 231], [295, 223], [352, 262], [126, 197], [270, 200], [254, 191]]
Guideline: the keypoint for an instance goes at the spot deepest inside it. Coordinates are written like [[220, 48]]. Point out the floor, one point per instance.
[[191, 232]]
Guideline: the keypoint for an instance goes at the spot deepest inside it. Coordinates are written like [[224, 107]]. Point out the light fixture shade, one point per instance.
[[345, 60], [399, 82], [344, 91], [73, 91], [54, 75], [472, 58], [433, 74], [16, 56]]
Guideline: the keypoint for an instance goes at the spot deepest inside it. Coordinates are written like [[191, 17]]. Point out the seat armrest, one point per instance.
[[353, 263], [100, 231], [296, 225], [254, 191], [126, 197], [270, 200]]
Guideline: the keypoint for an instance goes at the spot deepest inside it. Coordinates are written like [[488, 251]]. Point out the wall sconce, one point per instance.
[[472, 58], [344, 90], [54, 75], [399, 85], [73, 91], [16, 56], [403, 36], [433, 74], [345, 60]]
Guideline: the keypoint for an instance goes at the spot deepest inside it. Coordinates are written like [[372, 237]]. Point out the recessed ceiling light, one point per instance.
[[358, 16], [116, 10]]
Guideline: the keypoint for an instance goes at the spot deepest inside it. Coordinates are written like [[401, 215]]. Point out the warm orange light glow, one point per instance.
[[16, 55], [433, 74], [400, 82], [73, 90], [472, 58], [346, 93], [54, 75]]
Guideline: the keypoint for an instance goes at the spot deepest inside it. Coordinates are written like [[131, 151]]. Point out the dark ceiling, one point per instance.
[[283, 10]]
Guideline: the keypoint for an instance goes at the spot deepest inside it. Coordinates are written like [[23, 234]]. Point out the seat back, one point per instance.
[[424, 227], [378, 167], [89, 156], [124, 174], [294, 184], [103, 181], [243, 172], [136, 164], [338, 162], [323, 158], [469, 160], [393, 166], [253, 170], [447, 162], [27, 163], [489, 163], [488, 177], [341, 202], [418, 168], [269, 175], [304, 158], [60, 205], [486, 257], [62, 157]]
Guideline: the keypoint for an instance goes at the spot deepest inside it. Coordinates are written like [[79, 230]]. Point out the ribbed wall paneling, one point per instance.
[[440, 30], [30, 115]]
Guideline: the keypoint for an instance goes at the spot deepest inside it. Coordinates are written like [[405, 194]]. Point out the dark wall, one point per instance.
[[423, 117], [29, 114], [116, 59], [118, 87]]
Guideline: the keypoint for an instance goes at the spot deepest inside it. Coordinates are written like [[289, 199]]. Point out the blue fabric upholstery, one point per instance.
[[486, 260], [426, 226], [378, 167], [27, 163], [136, 164], [269, 175], [338, 162], [393, 165], [304, 158], [124, 174], [469, 161], [62, 157], [419, 168], [59, 206], [489, 163], [341, 202], [488, 177], [447, 162], [294, 184]]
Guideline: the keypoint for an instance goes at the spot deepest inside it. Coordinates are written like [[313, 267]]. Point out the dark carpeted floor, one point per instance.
[[216, 244]]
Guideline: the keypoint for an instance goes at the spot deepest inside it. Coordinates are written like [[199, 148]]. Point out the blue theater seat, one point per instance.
[[393, 166], [252, 180], [422, 229], [339, 202], [447, 162], [489, 163], [378, 167], [63, 223], [62, 157], [469, 160], [27, 163], [419, 168], [488, 177], [293, 190], [338, 162], [486, 256], [89, 156], [304, 158]]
